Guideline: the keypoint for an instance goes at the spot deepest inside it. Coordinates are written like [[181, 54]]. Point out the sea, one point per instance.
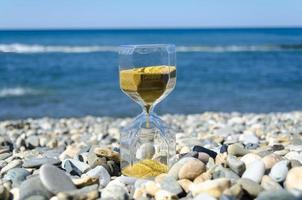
[[74, 73]]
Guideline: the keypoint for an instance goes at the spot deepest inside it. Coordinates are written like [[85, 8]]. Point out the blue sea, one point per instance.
[[72, 73]]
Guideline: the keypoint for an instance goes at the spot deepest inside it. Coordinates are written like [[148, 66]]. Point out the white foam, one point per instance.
[[35, 48], [16, 91]]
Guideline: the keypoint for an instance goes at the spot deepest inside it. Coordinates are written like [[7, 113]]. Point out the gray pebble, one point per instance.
[[115, 192], [101, 173], [16, 175], [251, 187], [236, 165], [255, 171], [32, 142], [276, 195], [33, 186], [75, 167], [37, 162], [55, 180], [3, 156], [11, 165], [170, 184]]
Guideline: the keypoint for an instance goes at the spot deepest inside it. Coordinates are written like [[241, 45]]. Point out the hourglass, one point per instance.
[[147, 75]]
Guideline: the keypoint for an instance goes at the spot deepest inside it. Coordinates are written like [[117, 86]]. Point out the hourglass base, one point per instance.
[[146, 147]]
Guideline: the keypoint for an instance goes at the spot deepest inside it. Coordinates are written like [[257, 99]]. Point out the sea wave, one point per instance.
[[17, 91], [36, 48]]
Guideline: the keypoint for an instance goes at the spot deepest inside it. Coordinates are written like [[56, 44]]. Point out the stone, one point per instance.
[[191, 169], [236, 165], [55, 180], [5, 155], [107, 153], [170, 184], [32, 142], [113, 168], [279, 170], [4, 193], [11, 165], [176, 167], [33, 186], [101, 173], [295, 163], [212, 187], [145, 151], [237, 149], [37, 162], [221, 159], [294, 179], [276, 195], [16, 175], [165, 195], [249, 158], [236, 191], [203, 157], [251, 187], [70, 152], [185, 184], [75, 167], [269, 184], [36, 197], [84, 181], [224, 148], [270, 160], [204, 196], [255, 171], [221, 172], [249, 138], [114, 192], [211, 153], [151, 188], [87, 193], [93, 160], [203, 177]]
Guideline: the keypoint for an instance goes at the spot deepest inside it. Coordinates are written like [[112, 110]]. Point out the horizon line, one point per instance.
[[147, 28]]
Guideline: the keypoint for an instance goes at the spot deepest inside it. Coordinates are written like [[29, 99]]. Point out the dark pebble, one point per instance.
[[224, 148], [211, 153]]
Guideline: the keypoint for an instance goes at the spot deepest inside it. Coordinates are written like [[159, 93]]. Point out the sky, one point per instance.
[[65, 14]]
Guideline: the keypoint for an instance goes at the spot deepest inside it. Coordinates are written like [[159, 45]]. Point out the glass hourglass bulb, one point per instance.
[[147, 75]]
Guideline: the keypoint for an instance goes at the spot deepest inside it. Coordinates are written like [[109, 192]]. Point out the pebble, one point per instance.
[[210, 187], [279, 171], [270, 184], [55, 180], [255, 171], [203, 157], [185, 184], [4, 193], [211, 153], [191, 169], [33, 186], [204, 196], [237, 149], [5, 155], [114, 192], [16, 175], [276, 195], [75, 167], [165, 195], [270, 160], [37, 162], [101, 173], [32, 142], [236, 165], [11, 165], [251, 187], [174, 170], [221, 172], [88, 192], [170, 184], [294, 178], [224, 148], [250, 158]]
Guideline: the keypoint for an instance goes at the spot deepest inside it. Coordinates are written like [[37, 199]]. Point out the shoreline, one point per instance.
[[239, 155]]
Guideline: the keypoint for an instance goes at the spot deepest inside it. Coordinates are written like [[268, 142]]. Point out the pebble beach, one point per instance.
[[225, 156]]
